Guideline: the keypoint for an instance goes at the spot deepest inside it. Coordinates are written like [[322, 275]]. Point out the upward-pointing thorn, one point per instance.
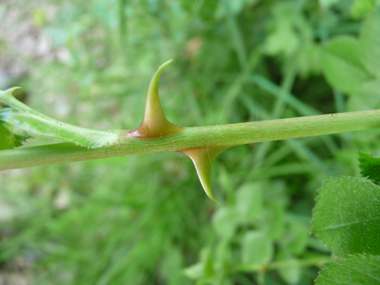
[[155, 123]]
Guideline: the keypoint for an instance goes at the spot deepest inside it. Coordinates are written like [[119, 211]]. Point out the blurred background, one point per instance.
[[145, 219]]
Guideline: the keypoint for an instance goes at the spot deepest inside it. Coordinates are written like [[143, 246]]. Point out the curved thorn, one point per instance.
[[7, 98], [155, 123], [11, 90], [203, 158]]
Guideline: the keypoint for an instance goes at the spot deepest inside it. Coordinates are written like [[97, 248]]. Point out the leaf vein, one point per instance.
[[348, 224]]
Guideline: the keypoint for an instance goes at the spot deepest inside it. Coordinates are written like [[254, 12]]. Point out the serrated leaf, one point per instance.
[[347, 216], [9, 140], [370, 43], [341, 61], [6, 141], [370, 166], [351, 270], [257, 248]]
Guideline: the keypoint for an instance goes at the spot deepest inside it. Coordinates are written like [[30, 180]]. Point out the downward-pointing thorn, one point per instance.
[[203, 158]]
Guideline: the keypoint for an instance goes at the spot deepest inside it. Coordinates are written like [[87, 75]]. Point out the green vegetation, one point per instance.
[[143, 219], [346, 219]]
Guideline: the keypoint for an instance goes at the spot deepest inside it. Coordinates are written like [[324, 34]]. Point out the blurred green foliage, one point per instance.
[[145, 219]]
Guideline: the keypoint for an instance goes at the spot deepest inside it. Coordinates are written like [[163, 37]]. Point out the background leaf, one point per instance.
[[225, 222], [291, 275], [370, 43], [327, 3], [257, 248], [249, 201], [361, 8], [342, 66], [295, 237]]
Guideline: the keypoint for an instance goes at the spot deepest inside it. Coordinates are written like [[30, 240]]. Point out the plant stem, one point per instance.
[[193, 137]]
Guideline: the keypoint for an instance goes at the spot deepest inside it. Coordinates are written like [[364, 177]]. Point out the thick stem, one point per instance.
[[211, 136]]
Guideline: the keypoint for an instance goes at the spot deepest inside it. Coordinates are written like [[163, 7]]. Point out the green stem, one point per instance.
[[193, 137], [286, 87]]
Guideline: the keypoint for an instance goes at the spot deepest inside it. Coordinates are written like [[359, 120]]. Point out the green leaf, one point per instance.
[[370, 43], [274, 222], [361, 8], [208, 269], [8, 140], [225, 222], [290, 275], [257, 248], [342, 66], [235, 7], [308, 61], [249, 201], [351, 270], [327, 3], [366, 98], [296, 237], [194, 271], [203, 269], [347, 216], [370, 166], [283, 40], [171, 266]]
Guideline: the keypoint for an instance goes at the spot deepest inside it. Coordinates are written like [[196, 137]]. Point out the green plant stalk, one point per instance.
[[195, 137]]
